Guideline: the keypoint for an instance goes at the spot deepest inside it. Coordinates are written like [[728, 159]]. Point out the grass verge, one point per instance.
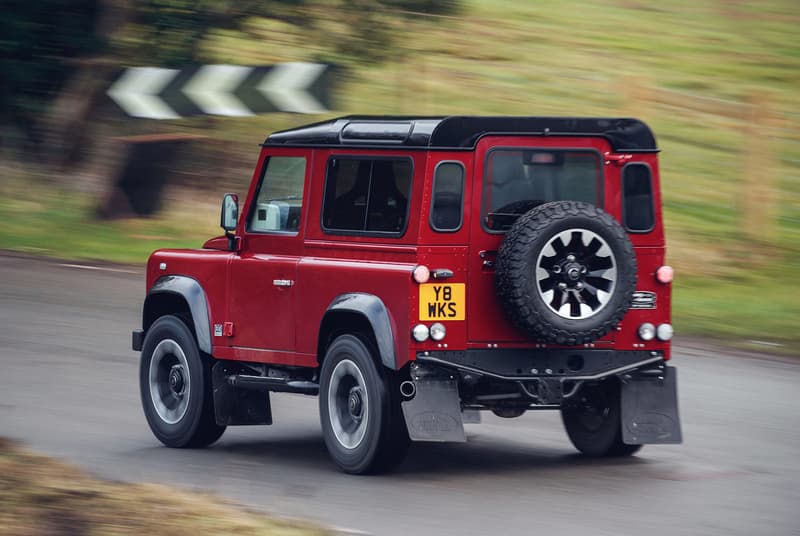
[[41, 496], [51, 222], [752, 311]]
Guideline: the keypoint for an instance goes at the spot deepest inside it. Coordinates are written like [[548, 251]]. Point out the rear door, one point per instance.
[[511, 176]]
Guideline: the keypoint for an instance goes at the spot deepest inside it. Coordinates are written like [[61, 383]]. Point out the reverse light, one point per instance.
[[438, 331], [665, 274], [665, 332], [421, 274], [647, 331], [420, 333]]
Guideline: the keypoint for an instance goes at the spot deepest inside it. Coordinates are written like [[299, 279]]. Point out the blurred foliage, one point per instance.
[[171, 32], [37, 41], [168, 33], [41, 41]]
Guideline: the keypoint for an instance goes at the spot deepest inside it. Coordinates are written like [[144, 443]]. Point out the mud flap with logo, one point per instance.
[[649, 408], [434, 414]]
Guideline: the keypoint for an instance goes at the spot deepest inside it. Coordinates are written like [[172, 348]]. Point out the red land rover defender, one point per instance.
[[413, 271]]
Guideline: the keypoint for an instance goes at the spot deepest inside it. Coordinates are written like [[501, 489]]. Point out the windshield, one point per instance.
[[516, 180]]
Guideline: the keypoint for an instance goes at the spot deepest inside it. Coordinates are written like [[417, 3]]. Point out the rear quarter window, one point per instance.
[[638, 210], [366, 195], [447, 206]]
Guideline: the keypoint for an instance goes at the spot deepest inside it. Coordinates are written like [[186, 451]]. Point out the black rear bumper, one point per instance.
[[536, 364], [517, 379]]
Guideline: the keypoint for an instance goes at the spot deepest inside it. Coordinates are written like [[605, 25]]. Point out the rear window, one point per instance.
[[516, 180], [366, 195]]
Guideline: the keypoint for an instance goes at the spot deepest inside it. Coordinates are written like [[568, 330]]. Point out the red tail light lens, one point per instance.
[[421, 274], [665, 274]]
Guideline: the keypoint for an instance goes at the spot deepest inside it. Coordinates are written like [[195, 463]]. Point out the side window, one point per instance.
[[366, 195], [448, 192], [638, 212], [280, 195]]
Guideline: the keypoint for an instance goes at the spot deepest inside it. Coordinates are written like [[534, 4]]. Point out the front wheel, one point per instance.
[[359, 409], [593, 421], [175, 386]]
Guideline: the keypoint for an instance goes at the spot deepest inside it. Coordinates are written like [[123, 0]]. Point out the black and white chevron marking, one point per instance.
[[229, 90]]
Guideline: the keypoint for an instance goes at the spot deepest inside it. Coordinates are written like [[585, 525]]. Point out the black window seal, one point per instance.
[[248, 228], [652, 197], [433, 193], [601, 178], [352, 232]]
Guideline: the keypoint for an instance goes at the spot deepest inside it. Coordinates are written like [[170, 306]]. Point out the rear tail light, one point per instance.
[[664, 332], [647, 331], [438, 331], [421, 274], [420, 333], [665, 274]]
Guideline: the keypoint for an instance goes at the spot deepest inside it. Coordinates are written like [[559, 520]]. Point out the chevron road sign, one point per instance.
[[230, 90]]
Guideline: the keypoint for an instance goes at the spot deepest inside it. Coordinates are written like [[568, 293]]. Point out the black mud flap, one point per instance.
[[649, 404], [234, 406], [434, 414]]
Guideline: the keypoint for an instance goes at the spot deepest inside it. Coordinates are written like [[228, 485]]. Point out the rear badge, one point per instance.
[[643, 300]]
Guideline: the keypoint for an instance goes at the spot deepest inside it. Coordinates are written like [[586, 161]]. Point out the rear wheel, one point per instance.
[[593, 421], [359, 409], [175, 386]]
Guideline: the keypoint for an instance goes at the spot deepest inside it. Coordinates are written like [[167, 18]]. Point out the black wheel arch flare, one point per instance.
[[173, 294], [373, 311]]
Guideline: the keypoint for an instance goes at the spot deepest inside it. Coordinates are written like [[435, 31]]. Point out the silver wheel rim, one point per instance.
[[576, 274], [348, 389], [169, 381]]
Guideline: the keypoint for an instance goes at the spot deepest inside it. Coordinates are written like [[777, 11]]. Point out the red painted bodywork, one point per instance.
[[280, 324]]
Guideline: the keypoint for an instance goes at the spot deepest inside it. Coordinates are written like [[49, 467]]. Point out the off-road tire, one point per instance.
[[384, 440], [593, 422], [523, 249], [195, 426]]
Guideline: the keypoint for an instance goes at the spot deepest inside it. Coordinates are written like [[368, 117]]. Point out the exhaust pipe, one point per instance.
[[408, 389]]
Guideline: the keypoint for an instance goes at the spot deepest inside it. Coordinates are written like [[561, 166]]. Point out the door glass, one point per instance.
[[280, 195]]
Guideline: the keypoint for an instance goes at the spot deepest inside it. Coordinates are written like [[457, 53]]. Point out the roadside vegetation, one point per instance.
[[736, 250], [41, 496]]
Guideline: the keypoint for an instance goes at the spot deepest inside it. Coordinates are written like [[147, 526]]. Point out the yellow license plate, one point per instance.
[[441, 302]]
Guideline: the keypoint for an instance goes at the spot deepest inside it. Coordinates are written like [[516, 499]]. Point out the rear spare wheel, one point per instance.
[[566, 272]]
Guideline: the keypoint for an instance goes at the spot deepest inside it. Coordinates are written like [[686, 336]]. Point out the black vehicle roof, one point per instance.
[[461, 132]]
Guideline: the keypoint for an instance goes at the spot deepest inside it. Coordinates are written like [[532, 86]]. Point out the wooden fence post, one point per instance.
[[758, 194]]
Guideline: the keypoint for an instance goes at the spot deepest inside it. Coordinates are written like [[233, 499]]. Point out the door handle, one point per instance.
[[282, 282]]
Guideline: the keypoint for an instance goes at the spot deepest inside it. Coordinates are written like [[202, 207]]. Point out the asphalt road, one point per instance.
[[68, 388]]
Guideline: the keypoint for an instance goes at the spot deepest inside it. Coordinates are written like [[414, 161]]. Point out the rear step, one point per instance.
[[276, 385]]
